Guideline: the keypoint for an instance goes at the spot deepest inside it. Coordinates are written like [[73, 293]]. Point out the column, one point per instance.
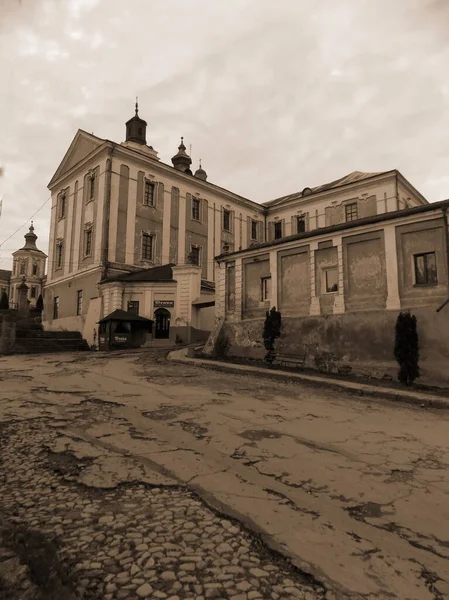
[[166, 218], [131, 217], [220, 290], [391, 263], [339, 299], [315, 308], [274, 278]]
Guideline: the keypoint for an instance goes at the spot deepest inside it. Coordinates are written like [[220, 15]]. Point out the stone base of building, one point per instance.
[[363, 340]]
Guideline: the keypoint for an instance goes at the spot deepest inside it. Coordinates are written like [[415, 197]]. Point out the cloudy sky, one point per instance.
[[274, 96]]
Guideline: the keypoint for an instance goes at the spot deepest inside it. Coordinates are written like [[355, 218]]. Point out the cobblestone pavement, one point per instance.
[[213, 477], [134, 541]]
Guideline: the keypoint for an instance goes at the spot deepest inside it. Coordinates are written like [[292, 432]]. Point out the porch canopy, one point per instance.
[[123, 315]]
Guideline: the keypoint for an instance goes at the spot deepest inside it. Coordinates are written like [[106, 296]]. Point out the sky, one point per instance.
[[274, 96]]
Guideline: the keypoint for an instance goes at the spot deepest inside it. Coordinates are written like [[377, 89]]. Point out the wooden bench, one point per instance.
[[291, 360]]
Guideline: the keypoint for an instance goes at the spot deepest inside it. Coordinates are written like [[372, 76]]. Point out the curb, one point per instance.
[[422, 400]]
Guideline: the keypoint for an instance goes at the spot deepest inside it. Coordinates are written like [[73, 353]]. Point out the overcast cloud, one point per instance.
[[273, 95]]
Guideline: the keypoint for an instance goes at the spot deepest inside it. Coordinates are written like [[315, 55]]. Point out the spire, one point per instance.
[[182, 161], [200, 173], [136, 128], [30, 239]]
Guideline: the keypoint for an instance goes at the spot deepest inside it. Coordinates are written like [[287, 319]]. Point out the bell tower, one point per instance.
[[136, 128]]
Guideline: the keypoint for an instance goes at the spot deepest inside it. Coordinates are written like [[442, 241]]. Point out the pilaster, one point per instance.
[[274, 278], [391, 263], [315, 308], [339, 300]]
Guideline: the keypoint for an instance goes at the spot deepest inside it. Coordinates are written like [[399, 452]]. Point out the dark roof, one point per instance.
[[162, 273], [380, 218], [5, 274], [123, 315], [353, 177]]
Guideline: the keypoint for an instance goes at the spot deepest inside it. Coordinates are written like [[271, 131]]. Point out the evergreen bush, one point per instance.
[[406, 348], [40, 303], [271, 331]]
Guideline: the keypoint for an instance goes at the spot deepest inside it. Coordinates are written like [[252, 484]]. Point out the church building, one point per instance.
[[133, 233]]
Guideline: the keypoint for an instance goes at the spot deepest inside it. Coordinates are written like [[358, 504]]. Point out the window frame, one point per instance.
[[91, 192], [199, 248], [265, 292], [349, 207], [62, 206], [132, 305], [149, 184], [88, 238], [59, 254], [147, 236], [33, 289], [228, 213], [196, 203], [325, 283], [424, 255], [56, 307], [35, 270], [79, 302], [254, 224], [300, 219], [22, 268], [277, 224]]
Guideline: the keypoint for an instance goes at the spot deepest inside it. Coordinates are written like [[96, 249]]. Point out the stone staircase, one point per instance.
[[31, 339]]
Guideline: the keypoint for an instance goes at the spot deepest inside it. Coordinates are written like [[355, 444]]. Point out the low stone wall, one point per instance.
[[364, 340], [7, 332]]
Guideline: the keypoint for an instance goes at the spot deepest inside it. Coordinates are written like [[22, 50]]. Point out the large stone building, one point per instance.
[[131, 232], [340, 287]]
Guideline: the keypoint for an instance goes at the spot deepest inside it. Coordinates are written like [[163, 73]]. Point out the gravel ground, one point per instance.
[[59, 539]]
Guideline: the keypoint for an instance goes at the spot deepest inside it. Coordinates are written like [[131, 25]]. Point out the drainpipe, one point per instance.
[[106, 219], [446, 241]]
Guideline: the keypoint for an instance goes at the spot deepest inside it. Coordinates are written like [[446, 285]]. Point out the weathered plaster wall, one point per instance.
[[252, 273], [197, 232], [363, 339], [294, 280], [325, 258], [149, 219], [365, 271], [417, 238]]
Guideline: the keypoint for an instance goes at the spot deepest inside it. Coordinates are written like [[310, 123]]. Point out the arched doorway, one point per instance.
[[162, 324]]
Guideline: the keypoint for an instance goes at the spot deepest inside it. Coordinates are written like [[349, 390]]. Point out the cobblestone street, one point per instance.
[[127, 477]]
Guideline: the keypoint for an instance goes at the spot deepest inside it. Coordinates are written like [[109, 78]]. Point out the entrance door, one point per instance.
[[162, 329]]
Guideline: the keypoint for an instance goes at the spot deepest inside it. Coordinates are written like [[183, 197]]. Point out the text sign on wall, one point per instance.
[[164, 303]]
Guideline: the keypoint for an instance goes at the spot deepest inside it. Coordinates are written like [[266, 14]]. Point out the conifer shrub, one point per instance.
[[406, 348], [271, 331], [4, 302]]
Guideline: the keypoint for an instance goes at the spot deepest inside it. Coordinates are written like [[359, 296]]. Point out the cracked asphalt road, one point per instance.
[[352, 491]]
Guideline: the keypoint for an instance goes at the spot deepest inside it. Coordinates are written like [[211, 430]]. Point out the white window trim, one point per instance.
[[302, 217], [262, 280], [230, 230], [413, 270], [62, 197], [88, 227], [200, 257], [254, 239], [324, 280], [153, 240], [91, 175], [199, 220], [150, 181], [59, 242]]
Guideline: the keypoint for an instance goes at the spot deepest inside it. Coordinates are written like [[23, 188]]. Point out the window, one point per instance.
[[195, 255], [265, 288], [331, 280], [196, 205], [34, 269], [425, 269], [62, 206], [253, 230], [148, 198], [227, 220], [278, 230], [351, 211], [147, 246], [55, 307], [300, 224], [33, 291], [22, 268], [133, 307], [59, 249], [88, 242], [92, 187], [79, 302]]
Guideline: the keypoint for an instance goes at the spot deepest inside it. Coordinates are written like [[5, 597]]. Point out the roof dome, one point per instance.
[[182, 161], [200, 173]]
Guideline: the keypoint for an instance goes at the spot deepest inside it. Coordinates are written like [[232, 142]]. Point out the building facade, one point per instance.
[[340, 288], [119, 213]]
